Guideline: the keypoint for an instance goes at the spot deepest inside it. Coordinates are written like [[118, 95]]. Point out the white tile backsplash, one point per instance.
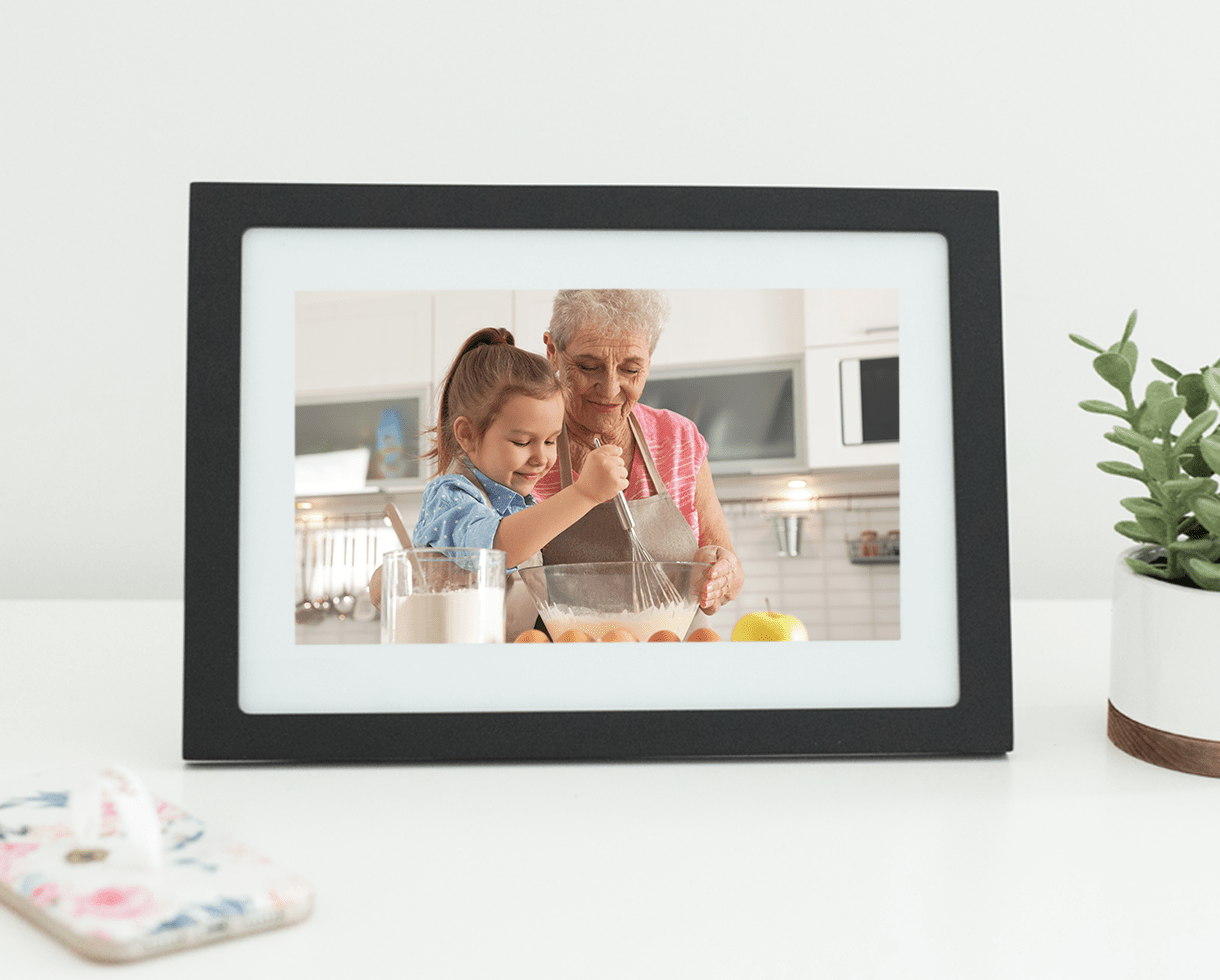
[[850, 616], [835, 599], [852, 598]]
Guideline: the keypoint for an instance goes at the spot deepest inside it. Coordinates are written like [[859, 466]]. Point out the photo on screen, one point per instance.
[[794, 398]]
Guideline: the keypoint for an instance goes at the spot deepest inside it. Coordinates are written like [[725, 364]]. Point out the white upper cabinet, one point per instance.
[[350, 341], [850, 316], [532, 317], [719, 325], [458, 314]]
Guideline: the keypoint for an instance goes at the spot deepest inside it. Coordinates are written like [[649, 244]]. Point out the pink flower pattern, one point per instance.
[[116, 903], [168, 812], [45, 895], [49, 832], [8, 854]]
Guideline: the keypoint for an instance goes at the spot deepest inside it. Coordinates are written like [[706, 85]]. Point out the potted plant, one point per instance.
[[1164, 671]]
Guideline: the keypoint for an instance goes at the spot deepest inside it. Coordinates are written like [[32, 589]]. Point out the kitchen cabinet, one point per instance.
[[850, 316], [532, 317], [725, 325], [459, 313], [351, 341], [359, 355], [381, 340], [348, 342], [388, 423]]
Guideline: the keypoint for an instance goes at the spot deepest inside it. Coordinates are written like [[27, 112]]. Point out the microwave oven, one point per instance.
[[752, 413], [852, 393]]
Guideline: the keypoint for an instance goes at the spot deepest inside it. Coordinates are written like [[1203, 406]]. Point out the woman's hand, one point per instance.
[[604, 474], [727, 576], [717, 588]]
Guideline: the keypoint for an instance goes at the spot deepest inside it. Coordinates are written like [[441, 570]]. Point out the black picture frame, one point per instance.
[[215, 728]]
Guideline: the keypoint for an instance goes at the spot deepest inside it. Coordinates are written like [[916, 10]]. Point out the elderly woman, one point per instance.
[[601, 343]]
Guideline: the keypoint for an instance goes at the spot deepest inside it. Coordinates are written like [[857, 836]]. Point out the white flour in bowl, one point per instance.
[[641, 625]]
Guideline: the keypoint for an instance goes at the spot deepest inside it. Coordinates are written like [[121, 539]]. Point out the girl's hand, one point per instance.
[[604, 474]]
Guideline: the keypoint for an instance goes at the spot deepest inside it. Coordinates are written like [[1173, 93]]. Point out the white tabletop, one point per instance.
[[1065, 859]]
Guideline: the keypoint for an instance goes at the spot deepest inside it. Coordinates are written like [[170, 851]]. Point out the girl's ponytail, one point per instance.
[[444, 451]]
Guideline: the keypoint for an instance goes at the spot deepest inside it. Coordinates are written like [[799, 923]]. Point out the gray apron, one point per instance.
[[521, 613], [599, 535]]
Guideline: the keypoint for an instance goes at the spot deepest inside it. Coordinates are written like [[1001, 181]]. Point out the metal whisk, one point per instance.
[[650, 587]]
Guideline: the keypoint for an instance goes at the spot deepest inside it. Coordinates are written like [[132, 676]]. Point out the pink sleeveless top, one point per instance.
[[678, 450]]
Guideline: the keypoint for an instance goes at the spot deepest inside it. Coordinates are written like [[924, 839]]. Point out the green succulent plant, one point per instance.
[[1180, 515]]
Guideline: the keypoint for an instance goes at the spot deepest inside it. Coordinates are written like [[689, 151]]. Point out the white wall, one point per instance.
[[1096, 124]]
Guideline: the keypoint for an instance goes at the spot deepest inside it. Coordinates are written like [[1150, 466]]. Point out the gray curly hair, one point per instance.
[[620, 311]]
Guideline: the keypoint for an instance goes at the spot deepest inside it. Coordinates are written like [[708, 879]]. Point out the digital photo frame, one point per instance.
[[252, 694]]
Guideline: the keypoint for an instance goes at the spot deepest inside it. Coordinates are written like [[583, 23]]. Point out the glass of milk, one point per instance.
[[454, 595]]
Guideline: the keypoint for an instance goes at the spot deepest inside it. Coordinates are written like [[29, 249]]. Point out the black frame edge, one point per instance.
[[214, 727]]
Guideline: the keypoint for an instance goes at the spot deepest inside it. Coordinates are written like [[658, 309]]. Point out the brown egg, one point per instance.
[[619, 635], [575, 636], [533, 636], [704, 635], [665, 636]]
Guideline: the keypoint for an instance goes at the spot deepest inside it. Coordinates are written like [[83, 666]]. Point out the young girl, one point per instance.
[[501, 411]]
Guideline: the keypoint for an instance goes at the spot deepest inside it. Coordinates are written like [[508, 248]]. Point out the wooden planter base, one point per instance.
[[1199, 756]]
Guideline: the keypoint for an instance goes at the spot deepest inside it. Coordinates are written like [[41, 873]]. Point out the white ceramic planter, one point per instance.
[[1164, 674]]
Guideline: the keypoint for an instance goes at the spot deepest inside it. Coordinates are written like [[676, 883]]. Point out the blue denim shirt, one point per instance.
[[453, 513]]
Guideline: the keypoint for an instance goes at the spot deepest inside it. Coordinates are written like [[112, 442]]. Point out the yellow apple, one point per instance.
[[769, 626]]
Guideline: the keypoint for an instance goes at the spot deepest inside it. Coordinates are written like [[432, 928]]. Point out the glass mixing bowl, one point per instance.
[[595, 597]]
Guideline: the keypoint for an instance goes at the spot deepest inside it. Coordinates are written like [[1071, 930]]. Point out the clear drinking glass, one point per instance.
[[455, 595]]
